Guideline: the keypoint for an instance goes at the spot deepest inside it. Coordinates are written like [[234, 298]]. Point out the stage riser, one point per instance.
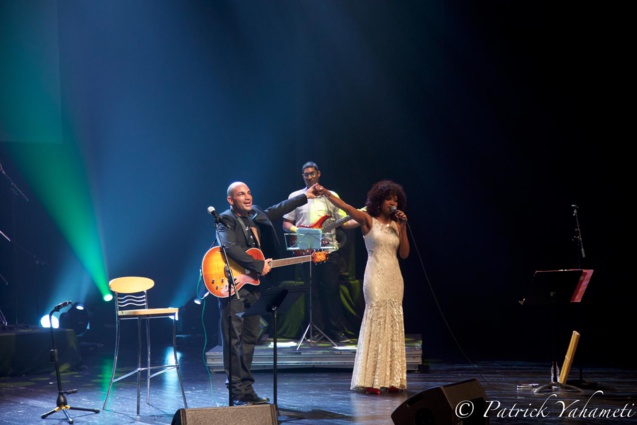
[[27, 350]]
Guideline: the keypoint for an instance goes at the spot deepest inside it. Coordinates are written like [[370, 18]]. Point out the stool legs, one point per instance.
[[178, 367], [147, 367], [115, 355]]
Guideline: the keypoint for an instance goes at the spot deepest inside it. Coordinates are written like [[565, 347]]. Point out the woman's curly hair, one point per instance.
[[382, 190]]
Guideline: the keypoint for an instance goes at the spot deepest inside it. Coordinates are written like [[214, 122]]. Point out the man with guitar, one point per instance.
[[325, 276], [245, 227]]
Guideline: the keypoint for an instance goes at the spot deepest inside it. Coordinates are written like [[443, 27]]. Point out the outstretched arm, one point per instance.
[[311, 193], [361, 217]]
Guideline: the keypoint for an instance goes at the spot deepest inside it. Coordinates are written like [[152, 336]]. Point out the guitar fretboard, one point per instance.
[[331, 226], [289, 261]]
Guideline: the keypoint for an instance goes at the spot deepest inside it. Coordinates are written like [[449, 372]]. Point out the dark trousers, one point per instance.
[[243, 336], [327, 307]]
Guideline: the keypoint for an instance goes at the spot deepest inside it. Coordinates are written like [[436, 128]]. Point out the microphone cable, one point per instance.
[[435, 298]]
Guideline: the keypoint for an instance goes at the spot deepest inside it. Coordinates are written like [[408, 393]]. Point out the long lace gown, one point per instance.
[[380, 355]]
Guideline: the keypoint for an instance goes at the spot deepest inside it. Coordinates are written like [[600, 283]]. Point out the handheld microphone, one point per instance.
[[393, 210], [214, 213]]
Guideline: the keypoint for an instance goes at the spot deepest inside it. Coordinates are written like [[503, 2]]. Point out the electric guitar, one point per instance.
[[328, 227], [216, 275]]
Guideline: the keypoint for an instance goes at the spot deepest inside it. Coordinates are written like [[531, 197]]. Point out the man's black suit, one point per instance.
[[236, 236]]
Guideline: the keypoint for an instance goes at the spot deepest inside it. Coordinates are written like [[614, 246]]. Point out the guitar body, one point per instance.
[[318, 224], [216, 275]]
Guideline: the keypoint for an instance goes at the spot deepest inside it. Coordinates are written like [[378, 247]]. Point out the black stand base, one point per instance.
[[61, 403], [64, 407], [554, 386]]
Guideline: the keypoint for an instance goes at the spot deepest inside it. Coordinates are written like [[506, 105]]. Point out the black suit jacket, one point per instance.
[[232, 236]]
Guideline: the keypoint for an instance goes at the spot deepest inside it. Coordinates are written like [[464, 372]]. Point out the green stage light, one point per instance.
[[55, 172]]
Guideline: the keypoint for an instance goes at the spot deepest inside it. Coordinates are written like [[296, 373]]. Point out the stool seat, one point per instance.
[[150, 312], [131, 303]]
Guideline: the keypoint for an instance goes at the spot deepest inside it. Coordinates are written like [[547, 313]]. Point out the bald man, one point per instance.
[[241, 227]]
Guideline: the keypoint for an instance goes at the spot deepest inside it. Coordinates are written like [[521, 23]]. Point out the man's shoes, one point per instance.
[[239, 403], [339, 337], [253, 398]]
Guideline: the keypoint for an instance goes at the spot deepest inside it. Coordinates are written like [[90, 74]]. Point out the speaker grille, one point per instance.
[[263, 414]]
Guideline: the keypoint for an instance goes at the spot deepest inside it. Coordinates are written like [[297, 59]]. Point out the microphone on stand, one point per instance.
[[214, 213], [575, 207], [61, 305], [578, 231]]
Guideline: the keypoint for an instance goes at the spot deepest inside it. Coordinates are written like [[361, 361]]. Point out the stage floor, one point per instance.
[[297, 354], [316, 395]]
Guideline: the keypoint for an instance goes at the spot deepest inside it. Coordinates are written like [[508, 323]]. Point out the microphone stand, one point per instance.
[[581, 254], [232, 292], [15, 191], [61, 403], [5, 236], [14, 187], [3, 319]]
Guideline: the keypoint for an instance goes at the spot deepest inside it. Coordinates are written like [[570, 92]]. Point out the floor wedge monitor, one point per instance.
[[261, 414], [460, 403]]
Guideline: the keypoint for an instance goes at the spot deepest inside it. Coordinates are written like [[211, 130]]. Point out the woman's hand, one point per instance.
[[400, 216]]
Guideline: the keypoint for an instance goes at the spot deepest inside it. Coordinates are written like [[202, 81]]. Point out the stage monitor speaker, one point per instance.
[[258, 414], [460, 403]]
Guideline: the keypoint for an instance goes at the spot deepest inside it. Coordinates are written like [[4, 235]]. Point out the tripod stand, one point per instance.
[[311, 327], [309, 240], [3, 320], [61, 403]]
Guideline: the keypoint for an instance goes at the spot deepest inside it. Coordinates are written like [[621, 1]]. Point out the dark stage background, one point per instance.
[[122, 121]]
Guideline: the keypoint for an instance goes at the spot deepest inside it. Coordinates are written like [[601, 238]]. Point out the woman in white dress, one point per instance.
[[381, 363]]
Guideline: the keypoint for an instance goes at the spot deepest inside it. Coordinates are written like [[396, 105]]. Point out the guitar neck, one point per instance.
[[289, 261], [331, 226]]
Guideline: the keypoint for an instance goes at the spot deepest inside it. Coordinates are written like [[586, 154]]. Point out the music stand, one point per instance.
[[553, 288], [271, 302]]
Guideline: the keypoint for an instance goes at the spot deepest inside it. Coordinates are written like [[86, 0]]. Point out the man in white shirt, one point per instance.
[[325, 276]]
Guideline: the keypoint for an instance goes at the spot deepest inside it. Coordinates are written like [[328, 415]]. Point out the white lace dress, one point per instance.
[[380, 356]]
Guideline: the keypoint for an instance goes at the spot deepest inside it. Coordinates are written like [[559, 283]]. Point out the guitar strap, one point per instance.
[[254, 236]]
